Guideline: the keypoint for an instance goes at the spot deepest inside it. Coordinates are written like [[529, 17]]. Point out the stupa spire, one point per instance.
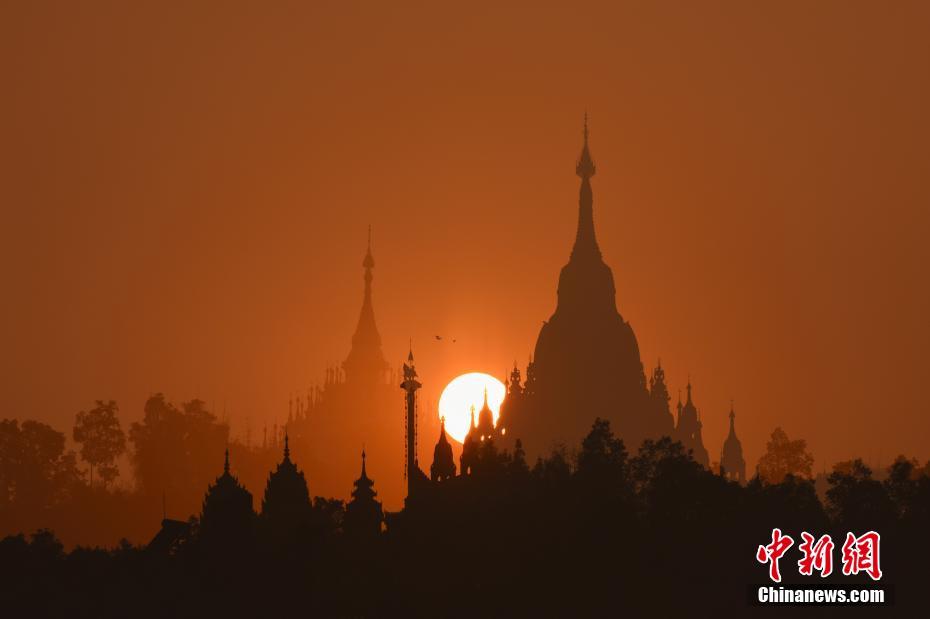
[[443, 466], [365, 362], [585, 239], [732, 463]]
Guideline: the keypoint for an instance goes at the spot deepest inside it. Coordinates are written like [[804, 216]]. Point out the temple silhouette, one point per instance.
[[354, 406], [586, 366], [732, 464], [688, 429], [586, 363], [634, 483], [287, 510], [364, 514]]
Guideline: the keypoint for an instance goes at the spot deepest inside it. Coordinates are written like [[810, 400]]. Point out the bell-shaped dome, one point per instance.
[[286, 505], [732, 464], [443, 466], [227, 509]]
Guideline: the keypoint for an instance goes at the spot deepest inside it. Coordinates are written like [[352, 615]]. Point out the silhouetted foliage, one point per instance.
[[575, 536], [36, 472], [855, 500], [101, 438], [784, 457], [176, 450]]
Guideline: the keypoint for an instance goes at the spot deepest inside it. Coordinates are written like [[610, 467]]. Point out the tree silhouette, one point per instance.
[[665, 478], [101, 438], [556, 526], [602, 454], [793, 504], [176, 450], [518, 466], [784, 457], [37, 472], [908, 487], [856, 500]]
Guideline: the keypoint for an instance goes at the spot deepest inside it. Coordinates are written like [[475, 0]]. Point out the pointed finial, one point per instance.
[[226, 464], [410, 354], [287, 448], [369, 261], [473, 416], [585, 167]]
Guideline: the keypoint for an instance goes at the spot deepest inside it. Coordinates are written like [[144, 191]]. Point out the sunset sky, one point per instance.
[[186, 190]]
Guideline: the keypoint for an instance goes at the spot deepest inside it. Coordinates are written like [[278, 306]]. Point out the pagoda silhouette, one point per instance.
[[732, 463], [227, 518], [586, 362], [688, 429], [354, 405]]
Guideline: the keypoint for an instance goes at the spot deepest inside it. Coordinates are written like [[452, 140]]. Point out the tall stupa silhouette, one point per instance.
[[356, 405], [365, 365], [587, 361]]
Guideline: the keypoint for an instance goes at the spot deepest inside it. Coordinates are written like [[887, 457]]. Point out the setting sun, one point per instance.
[[464, 392]]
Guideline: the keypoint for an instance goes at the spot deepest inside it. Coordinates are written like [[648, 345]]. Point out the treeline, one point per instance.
[[590, 532], [174, 452]]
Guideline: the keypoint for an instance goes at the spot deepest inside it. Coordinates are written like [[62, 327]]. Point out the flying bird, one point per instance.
[[438, 337]]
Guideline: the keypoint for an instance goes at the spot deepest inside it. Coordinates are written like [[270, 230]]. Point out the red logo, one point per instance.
[[773, 552], [860, 554], [817, 556]]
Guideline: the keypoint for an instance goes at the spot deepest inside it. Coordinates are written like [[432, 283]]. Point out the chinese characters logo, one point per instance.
[[859, 554]]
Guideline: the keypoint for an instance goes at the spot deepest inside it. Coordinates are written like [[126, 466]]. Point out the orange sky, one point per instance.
[[185, 192]]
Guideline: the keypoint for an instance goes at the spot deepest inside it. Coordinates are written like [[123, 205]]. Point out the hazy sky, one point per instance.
[[185, 189]]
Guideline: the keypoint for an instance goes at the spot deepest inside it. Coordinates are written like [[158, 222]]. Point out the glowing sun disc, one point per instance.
[[464, 392]]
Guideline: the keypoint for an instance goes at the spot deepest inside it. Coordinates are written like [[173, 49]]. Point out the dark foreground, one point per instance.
[[599, 533]]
